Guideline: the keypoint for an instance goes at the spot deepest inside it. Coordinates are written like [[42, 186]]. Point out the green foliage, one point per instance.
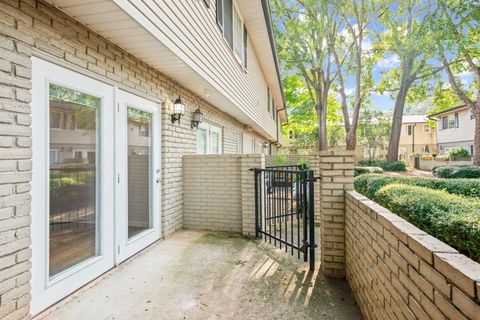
[[455, 172], [374, 130], [369, 184], [384, 164], [459, 153], [280, 159], [363, 170], [450, 218]]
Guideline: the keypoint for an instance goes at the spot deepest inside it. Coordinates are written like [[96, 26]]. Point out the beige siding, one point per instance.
[[192, 28]]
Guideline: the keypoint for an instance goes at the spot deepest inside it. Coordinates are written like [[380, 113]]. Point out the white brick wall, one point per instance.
[[29, 24], [219, 192]]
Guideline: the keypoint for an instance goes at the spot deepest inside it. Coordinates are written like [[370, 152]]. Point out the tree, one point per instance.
[[350, 58], [407, 36], [305, 30], [458, 29], [374, 130], [302, 127]]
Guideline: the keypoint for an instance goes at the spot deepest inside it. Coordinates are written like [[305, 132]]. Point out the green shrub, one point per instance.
[[362, 170], [369, 184], [384, 164], [460, 153], [450, 218], [455, 172]]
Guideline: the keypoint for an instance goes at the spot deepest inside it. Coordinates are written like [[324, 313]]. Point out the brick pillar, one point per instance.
[[336, 171], [248, 161]]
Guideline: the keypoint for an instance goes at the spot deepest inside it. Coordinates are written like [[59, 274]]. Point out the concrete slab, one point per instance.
[[205, 275]]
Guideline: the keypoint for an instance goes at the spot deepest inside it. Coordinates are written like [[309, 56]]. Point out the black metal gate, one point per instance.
[[284, 209]]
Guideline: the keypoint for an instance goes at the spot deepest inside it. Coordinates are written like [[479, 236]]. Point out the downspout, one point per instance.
[[413, 138]]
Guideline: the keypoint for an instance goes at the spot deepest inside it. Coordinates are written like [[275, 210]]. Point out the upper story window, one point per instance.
[[409, 130], [426, 128], [450, 121], [231, 23]]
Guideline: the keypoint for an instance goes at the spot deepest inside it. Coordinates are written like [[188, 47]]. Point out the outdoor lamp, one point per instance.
[[178, 110], [197, 118]]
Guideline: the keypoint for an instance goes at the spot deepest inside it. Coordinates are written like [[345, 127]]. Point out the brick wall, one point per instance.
[[219, 192], [31, 27], [397, 271], [336, 169]]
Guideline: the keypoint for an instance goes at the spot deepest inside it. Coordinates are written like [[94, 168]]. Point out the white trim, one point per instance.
[[126, 247], [46, 290], [210, 128]]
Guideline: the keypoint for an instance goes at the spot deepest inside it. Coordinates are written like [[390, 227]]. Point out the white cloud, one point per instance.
[[388, 62], [349, 91]]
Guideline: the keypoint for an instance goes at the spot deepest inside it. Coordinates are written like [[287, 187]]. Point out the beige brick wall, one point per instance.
[[219, 192], [397, 271], [30, 27], [336, 170]]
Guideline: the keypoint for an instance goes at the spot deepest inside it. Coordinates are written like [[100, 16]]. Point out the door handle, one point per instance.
[[158, 180]]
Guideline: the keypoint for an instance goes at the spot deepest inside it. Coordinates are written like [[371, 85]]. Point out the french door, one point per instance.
[[95, 179], [138, 174]]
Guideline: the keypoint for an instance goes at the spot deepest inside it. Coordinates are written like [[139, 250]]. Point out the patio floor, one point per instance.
[[205, 275]]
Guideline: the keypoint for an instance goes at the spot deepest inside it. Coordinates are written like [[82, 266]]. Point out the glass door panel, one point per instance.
[[73, 228], [138, 174], [139, 171]]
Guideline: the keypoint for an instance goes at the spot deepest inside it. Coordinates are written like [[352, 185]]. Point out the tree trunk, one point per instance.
[[322, 123], [351, 138], [405, 84], [393, 145], [476, 139]]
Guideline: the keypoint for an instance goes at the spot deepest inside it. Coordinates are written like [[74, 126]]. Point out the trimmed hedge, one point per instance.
[[369, 184], [362, 170], [455, 172], [384, 164], [450, 218]]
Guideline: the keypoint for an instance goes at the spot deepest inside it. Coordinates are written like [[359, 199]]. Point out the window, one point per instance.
[[230, 22], [57, 120], [53, 156], [239, 143], [472, 151], [237, 35], [450, 121], [409, 130], [209, 139], [426, 128]]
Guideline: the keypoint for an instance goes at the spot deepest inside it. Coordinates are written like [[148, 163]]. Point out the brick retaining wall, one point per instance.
[[397, 271]]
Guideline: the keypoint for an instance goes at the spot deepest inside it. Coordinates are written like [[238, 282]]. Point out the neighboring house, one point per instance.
[[455, 129], [416, 136], [97, 108]]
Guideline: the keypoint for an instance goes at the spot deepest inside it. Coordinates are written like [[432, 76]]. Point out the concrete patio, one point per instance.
[[205, 275]]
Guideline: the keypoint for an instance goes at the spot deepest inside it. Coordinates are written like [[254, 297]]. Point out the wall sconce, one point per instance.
[[265, 144], [178, 110], [197, 118]]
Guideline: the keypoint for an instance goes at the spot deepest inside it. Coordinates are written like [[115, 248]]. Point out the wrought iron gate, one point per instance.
[[284, 209]]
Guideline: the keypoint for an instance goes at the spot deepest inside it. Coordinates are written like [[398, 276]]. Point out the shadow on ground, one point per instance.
[[198, 275]]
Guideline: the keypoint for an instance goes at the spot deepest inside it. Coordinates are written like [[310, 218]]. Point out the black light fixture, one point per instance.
[[178, 110], [197, 118]]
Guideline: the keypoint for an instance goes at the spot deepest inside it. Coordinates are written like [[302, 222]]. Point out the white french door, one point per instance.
[[138, 174], [95, 179], [72, 192]]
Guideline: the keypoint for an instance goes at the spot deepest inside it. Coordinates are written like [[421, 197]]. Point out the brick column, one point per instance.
[[336, 171], [247, 162]]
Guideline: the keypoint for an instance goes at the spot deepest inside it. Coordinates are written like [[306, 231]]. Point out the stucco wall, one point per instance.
[[397, 271]]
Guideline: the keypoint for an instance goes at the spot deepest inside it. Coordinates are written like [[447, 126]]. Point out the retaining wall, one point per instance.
[[397, 271]]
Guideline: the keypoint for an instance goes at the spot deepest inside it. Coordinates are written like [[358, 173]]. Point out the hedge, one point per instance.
[[450, 218], [454, 172], [362, 170], [369, 184], [384, 164]]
